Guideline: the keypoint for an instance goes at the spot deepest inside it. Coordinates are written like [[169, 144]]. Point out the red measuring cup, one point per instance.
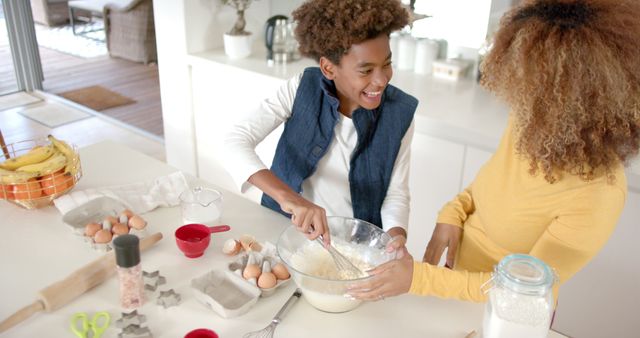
[[193, 239]]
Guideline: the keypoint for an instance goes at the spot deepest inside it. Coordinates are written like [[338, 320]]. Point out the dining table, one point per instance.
[[37, 249]]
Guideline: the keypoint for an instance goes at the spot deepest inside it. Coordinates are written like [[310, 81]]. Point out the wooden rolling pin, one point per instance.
[[82, 280]]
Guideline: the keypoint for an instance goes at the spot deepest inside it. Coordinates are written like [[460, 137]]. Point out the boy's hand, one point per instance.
[[308, 218]]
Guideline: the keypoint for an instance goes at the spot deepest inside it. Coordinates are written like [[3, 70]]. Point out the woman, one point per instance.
[[346, 141], [556, 186]]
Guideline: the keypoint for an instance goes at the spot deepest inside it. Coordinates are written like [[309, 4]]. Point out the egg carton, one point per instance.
[[225, 293], [267, 253], [96, 210]]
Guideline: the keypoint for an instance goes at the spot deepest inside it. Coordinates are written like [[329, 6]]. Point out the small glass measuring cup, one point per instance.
[[201, 205]]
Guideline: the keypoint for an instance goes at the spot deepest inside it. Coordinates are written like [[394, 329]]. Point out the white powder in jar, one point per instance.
[[516, 315]]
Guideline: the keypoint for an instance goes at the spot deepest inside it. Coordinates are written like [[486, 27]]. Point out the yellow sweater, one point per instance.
[[506, 210]]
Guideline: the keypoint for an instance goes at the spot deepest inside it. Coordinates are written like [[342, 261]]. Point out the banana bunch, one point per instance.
[[40, 161], [37, 154], [73, 160]]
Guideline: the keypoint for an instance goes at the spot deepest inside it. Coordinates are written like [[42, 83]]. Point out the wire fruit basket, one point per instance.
[[36, 187]]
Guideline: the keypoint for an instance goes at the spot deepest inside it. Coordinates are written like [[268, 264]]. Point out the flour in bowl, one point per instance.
[[316, 261]]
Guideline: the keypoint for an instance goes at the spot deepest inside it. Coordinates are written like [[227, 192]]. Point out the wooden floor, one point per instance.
[[15, 127], [64, 72]]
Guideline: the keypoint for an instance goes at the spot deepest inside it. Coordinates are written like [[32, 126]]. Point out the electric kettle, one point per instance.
[[277, 39]]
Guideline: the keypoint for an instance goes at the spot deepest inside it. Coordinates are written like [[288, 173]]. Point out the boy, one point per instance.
[[345, 147]]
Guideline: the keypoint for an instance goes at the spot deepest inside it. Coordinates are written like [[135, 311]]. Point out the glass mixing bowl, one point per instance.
[[312, 267]]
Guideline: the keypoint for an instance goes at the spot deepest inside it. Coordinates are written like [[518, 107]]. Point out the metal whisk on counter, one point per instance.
[[267, 332]]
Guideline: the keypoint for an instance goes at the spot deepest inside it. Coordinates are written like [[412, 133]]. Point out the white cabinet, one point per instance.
[[436, 166], [602, 299], [223, 95]]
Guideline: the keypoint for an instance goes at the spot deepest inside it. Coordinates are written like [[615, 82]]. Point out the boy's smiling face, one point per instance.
[[362, 75]]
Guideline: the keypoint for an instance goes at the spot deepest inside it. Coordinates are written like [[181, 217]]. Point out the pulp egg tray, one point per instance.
[[96, 210], [268, 253], [226, 293]]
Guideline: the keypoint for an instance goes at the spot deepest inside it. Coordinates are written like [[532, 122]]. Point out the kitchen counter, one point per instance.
[[37, 249], [458, 111]]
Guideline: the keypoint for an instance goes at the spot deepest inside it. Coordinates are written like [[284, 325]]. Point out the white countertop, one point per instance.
[[37, 249], [459, 111]]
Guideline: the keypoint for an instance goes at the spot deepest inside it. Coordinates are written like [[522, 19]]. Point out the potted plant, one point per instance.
[[237, 42]]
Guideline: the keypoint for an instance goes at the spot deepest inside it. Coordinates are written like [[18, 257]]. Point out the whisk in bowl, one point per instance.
[[268, 331], [346, 268]]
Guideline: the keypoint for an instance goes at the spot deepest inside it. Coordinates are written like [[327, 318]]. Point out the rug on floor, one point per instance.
[[53, 114], [16, 100], [97, 98], [90, 41]]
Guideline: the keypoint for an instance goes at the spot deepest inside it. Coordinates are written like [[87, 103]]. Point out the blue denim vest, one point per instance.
[[309, 132]]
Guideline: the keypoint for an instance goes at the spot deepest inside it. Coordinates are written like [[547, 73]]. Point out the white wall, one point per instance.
[[183, 27]]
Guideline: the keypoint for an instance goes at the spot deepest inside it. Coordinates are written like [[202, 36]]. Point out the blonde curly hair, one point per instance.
[[570, 69]]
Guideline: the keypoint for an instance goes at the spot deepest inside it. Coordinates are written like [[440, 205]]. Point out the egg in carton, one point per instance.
[[262, 268], [101, 220]]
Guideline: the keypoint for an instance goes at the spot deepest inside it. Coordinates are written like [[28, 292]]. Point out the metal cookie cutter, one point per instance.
[[152, 280], [168, 298], [131, 318], [135, 331]]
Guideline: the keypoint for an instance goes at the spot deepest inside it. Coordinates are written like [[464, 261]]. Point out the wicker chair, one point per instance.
[[130, 31], [50, 12]]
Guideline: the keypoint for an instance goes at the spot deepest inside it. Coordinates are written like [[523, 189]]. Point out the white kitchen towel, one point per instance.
[[164, 191]]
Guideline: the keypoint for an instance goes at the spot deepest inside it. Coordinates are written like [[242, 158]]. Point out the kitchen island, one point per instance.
[[37, 249]]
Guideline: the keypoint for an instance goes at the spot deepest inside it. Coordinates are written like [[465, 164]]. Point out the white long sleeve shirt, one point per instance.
[[328, 186]]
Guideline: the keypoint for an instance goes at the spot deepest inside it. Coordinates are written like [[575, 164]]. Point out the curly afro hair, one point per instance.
[[570, 69], [330, 27]]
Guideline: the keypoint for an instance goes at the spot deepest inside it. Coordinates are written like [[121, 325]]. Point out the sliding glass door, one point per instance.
[[8, 82], [20, 67]]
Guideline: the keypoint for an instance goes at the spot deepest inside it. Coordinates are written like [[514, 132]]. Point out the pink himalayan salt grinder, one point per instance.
[[127, 250]]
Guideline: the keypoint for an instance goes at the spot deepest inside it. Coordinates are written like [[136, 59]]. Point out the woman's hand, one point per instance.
[[444, 236], [308, 218], [389, 279], [398, 241]]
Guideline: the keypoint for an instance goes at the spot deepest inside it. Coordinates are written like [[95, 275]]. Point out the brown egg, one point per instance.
[[280, 271], [119, 229], [111, 219], [102, 236], [251, 271], [137, 222], [127, 212], [91, 229], [267, 280]]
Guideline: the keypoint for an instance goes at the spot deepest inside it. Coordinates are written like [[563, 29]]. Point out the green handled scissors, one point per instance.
[[97, 325]]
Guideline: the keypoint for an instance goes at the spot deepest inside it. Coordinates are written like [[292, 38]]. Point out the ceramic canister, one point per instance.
[[426, 53]]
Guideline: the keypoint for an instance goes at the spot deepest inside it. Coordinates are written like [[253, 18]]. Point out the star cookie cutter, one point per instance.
[[135, 331], [168, 298], [130, 318], [152, 280]]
